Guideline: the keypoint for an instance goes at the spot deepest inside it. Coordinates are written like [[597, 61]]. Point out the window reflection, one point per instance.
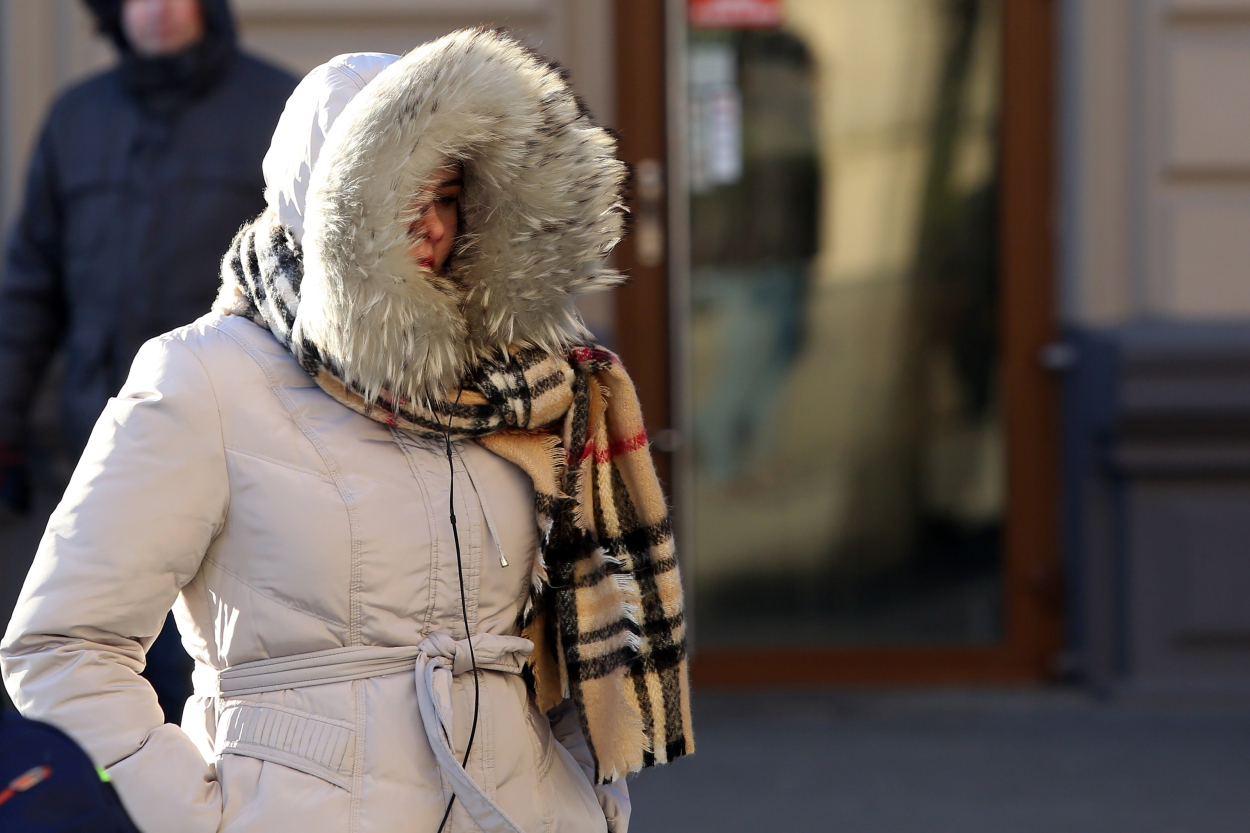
[[848, 440]]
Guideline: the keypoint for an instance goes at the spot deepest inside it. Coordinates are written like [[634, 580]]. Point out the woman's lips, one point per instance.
[[426, 263]]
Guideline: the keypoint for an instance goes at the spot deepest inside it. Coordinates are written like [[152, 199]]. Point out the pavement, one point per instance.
[[1029, 761]]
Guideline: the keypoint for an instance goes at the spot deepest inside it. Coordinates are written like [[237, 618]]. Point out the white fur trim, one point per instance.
[[541, 212]]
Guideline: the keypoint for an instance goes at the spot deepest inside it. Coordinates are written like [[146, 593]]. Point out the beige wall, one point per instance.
[[1156, 160], [302, 33], [44, 45]]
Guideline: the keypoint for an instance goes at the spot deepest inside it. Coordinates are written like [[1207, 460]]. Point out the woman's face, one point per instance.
[[434, 231]]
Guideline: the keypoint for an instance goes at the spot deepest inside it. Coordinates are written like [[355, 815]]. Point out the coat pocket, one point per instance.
[[313, 744]]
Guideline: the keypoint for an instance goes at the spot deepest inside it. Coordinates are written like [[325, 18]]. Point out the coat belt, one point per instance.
[[357, 662], [438, 659]]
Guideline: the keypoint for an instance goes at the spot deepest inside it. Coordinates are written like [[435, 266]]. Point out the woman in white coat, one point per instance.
[[402, 508]]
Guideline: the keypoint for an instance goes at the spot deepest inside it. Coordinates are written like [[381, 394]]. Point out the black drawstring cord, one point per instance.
[[464, 607]]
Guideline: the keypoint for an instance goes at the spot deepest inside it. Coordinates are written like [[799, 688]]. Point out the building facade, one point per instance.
[[941, 316], [1154, 278]]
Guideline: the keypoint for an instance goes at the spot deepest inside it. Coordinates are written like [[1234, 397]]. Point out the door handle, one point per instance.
[[649, 230]]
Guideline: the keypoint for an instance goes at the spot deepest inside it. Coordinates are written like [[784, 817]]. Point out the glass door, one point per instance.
[[845, 357]]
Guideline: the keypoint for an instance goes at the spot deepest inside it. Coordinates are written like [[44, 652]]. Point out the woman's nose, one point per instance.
[[433, 226]]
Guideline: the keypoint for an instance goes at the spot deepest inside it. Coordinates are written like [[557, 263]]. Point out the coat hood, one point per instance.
[[540, 212], [313, 107]]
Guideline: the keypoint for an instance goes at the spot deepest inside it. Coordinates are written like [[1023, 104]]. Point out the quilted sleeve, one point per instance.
[[148, 496]]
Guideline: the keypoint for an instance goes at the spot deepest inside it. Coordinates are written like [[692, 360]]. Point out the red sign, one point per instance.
[[735, 14]]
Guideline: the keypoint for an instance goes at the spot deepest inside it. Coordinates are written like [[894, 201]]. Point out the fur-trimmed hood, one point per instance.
[[540, 213]]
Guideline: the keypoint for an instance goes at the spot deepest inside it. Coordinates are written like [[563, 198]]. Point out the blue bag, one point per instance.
[[49, 785]]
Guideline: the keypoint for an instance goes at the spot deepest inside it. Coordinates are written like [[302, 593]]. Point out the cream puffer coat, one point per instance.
[[277, 522], [280, 524]]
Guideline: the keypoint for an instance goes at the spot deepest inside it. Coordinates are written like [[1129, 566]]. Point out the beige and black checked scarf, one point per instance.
[[605, 607]]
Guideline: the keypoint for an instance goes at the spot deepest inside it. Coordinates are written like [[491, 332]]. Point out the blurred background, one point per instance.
[[940, 316]]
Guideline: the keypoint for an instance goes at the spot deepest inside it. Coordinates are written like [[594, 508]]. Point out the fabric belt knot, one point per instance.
[[492, 651], [441, 657], [436, 661]]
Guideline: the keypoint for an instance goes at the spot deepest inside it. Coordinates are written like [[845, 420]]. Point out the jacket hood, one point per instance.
[[540, 212], [316, 104]]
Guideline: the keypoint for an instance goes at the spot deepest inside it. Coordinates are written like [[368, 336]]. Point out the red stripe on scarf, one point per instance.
[[583, 355], [616, 449]]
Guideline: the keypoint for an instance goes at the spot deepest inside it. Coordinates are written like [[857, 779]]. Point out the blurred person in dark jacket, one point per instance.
[[139, 181]]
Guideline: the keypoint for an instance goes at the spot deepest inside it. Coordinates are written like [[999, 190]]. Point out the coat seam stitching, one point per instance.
[[221, 436], [319, 475], [358, 764], [473, 570], [267, 596], [353, 593], [427, 626]]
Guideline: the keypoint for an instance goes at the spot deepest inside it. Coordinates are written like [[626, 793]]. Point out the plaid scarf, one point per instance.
[[605, 605]]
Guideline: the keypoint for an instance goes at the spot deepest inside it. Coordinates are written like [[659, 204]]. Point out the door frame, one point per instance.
[[649, 328]]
